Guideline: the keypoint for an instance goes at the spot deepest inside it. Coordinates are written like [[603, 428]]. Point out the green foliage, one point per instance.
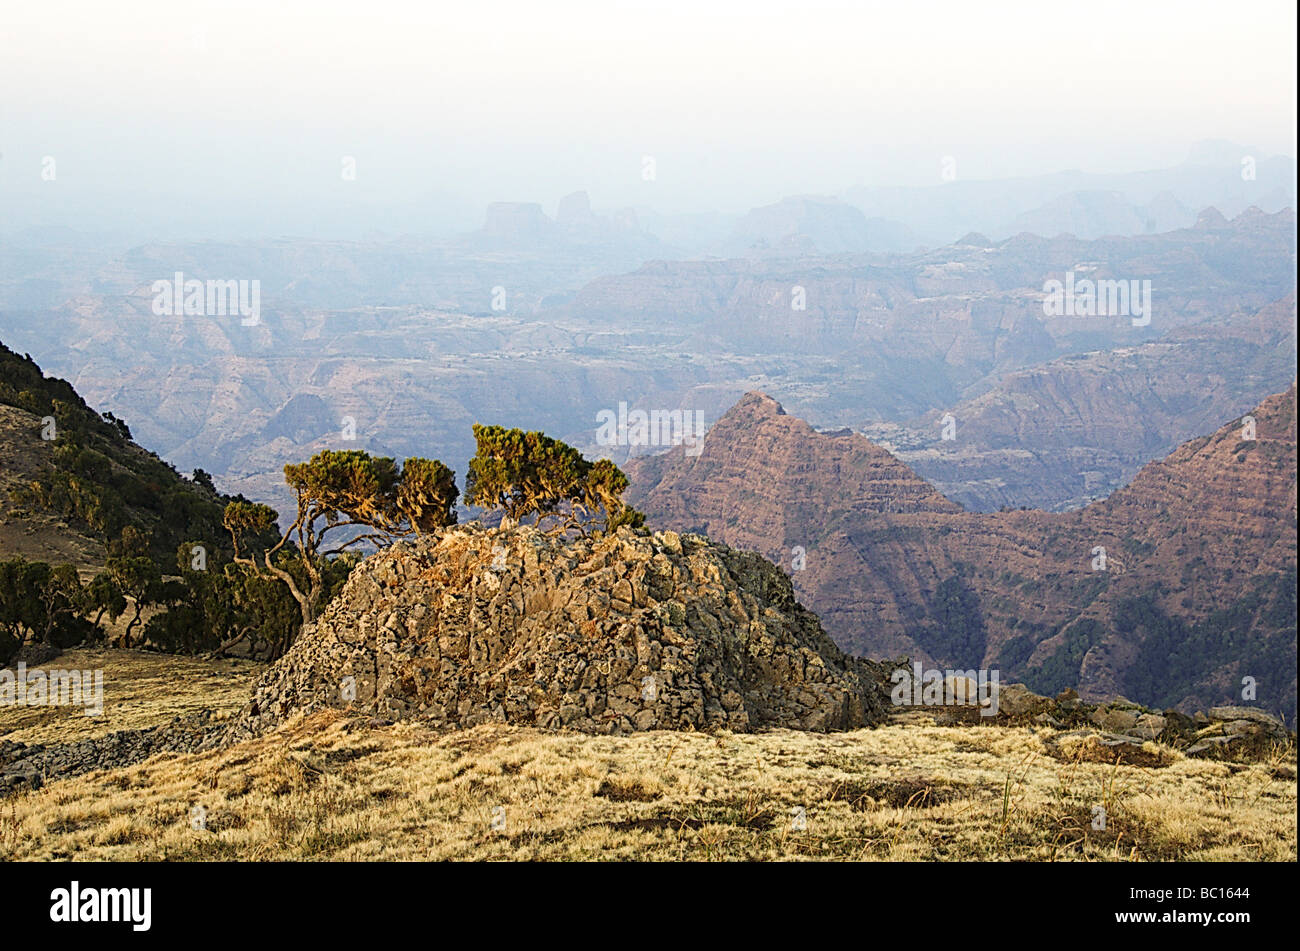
[[139, 579], [250, 523], [99, 480], [229, 607], [42, 603], [426, 494], [956, 633], [1062, 669], [604, 488], [104, 597], [1015, 652], [369, 495], [1253, 636], [203, 480], [529, 473], [351, 486]]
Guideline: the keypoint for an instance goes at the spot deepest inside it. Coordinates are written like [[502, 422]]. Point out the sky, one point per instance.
[[189, 119]]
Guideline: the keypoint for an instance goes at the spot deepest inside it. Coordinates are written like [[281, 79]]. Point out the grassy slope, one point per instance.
[[141, 689], [327, 787]]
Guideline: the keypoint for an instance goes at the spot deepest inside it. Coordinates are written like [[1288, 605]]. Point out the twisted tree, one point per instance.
[[370, 498]]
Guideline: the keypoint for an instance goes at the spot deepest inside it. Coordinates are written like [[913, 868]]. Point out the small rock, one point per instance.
[[1248, 713], [1113, 720]]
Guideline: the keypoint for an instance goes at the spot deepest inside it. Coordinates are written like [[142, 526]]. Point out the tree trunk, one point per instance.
[[126, 637]]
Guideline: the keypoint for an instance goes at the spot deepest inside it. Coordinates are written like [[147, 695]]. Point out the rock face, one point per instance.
[[629, 632], [1064, 433], [1172, 591], [765, 475]]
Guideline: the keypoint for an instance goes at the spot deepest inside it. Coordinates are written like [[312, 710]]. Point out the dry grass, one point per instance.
[[141, 689], [324, 788]]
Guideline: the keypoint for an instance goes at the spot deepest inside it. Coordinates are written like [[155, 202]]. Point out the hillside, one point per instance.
[[1196, 591], [62, 498]]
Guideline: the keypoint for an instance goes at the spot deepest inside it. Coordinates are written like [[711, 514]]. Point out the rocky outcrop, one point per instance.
[[1117, 730], [768, 481], [628, 632]]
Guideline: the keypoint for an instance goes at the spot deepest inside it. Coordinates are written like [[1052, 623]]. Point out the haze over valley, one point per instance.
[[648, 431]]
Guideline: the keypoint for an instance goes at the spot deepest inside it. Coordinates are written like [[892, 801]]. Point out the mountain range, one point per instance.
[[859, 340], [1171, 592]]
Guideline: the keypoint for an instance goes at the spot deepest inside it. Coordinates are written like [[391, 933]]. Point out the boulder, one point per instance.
[[1267, 721], [1016, 700]]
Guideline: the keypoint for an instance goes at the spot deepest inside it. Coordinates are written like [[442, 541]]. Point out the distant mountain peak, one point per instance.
[[893, 567], [1210, 219], [759, 402]]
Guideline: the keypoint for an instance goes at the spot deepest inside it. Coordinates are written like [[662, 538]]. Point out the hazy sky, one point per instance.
[[189, 118]]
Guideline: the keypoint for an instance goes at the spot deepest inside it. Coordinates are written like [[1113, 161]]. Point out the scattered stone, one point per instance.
[[1068, 699], [1271, 723], [1091, 747], [1149, 726], [1115, 720], [1208, 744], [24, 766], [1251, 733]]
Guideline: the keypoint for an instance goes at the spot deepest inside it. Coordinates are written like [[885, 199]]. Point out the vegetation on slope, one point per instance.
[[219, 569]]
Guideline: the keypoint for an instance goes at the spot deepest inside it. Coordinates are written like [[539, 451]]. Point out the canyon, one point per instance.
[[1177, 590]]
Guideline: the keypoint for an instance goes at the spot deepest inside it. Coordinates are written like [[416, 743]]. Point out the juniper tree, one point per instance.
[[138, 578], [39, 602], [529, 473], [103, 596], [370, 498]]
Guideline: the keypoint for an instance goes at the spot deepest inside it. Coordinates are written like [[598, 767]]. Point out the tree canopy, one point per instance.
[[529, 473], [370, 496]]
